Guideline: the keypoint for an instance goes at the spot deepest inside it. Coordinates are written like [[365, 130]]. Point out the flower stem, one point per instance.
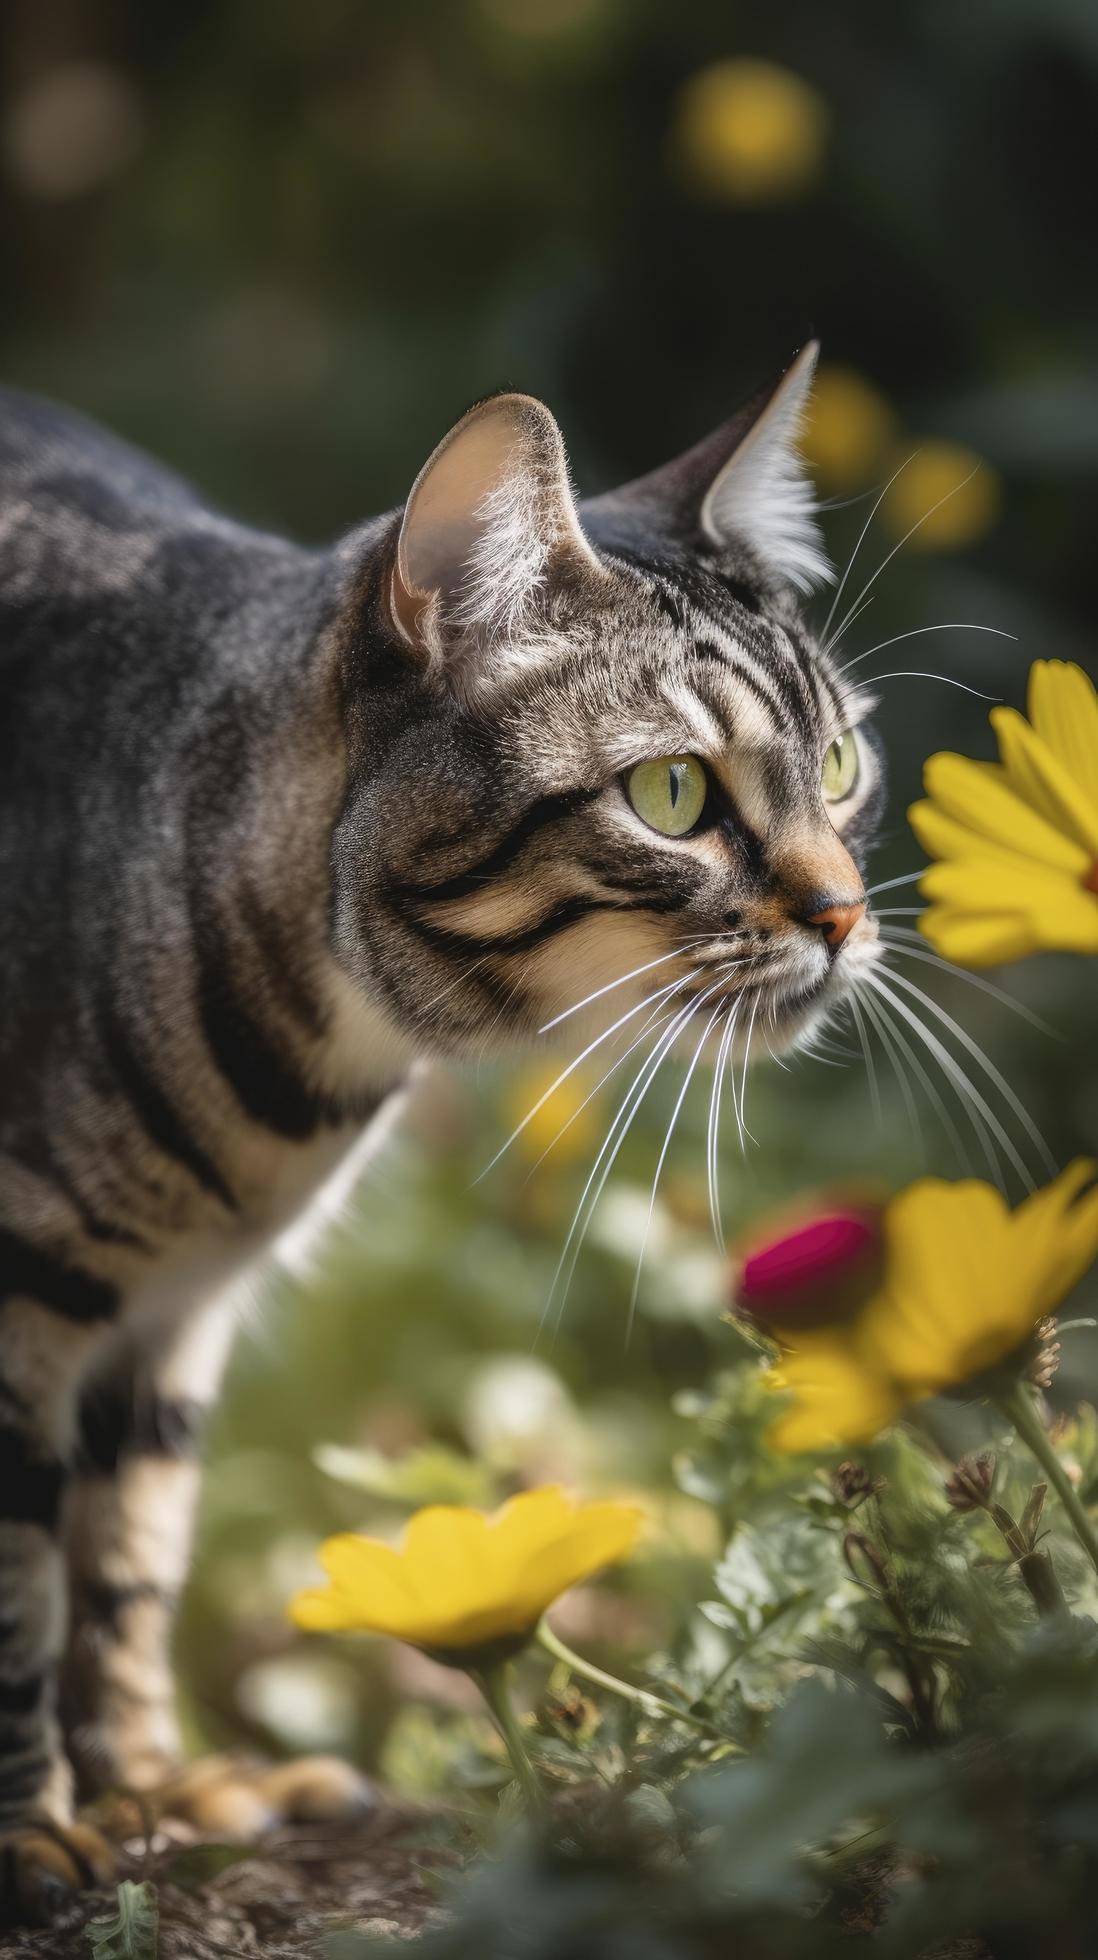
[[494, 1686], [640, 1697], [1018, 1408]]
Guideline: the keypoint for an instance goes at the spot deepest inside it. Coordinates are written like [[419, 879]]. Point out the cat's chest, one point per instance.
[[310, 1189]]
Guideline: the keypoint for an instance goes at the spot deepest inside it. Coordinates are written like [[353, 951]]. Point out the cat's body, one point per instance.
[[275, 822]]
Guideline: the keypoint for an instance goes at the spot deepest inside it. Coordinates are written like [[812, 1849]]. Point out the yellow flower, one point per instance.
[[848, 428], [1017, 839], [459, 1581], [835, 1395], [964, 1284], [749, 131], [949, 492]]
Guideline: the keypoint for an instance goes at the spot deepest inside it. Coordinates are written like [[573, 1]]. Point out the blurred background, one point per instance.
[[283, 247]]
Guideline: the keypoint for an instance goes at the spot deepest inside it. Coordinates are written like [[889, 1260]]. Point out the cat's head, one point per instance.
[[599, 740]]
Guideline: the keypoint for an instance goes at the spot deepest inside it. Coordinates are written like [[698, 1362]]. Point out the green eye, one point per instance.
[[840, 770], [669, 793]]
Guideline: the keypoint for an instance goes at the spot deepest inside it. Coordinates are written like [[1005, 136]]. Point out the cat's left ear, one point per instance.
[[746, 484], [489, 534]]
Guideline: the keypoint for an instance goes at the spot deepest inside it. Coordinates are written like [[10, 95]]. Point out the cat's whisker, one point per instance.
[[915, 632], [877, 502], [659, 1017], [891, 936], [744, 1131], [713, 1131], [612, 1144], [607, 1154], [898, 912], [976, 1107], [994, 1075], [886, 1036], [891, 884], [828, 647], [722, 1007], [909, 533], [660, 993], [923, 1077], [576, 1007], [870, 1071], [923, 674]]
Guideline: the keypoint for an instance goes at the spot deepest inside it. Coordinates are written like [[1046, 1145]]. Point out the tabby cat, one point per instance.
[[275, 823]]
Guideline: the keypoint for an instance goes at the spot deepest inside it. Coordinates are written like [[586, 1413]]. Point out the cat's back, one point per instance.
[[77, 505]]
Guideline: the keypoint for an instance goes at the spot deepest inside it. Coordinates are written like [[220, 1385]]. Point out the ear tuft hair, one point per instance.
[[488, 528], [764, 494], [745, 484]]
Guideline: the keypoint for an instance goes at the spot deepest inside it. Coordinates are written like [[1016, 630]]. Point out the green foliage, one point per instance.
[[133, 1933]]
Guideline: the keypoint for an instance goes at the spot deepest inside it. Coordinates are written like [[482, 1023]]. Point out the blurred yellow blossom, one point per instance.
[[1017, 840], [949, 492], [848, 428], [749, 131], [461, 1585], [555, 1115], [962, 1286]]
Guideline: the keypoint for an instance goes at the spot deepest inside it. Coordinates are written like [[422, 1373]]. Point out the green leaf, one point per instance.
[[134, 1933]]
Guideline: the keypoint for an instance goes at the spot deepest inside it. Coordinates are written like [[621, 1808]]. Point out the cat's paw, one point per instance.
[[234, 1798], [43, 1863]]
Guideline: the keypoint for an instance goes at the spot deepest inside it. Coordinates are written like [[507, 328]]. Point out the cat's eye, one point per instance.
[[668, 793], [840, 770]]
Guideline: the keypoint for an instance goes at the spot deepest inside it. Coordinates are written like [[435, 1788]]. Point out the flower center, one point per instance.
[[1090, 882]]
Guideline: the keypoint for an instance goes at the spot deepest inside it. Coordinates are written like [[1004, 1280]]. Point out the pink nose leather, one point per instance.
[[838, 922]]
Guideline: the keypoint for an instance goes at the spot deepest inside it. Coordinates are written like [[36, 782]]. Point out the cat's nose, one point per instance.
[[837, 922]]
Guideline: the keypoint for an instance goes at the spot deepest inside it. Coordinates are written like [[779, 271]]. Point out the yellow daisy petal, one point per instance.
[[1047, 786], [1055, 1235], [943, 837], [1063, 707], [836, 1398], [946, 1259], [459, 1581], [977, 938], [979, 796]]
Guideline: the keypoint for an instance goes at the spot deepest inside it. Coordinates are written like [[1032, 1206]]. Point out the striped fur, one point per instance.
[[274, 823]]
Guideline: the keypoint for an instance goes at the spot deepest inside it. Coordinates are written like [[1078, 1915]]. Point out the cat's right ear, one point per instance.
[[488, 534]]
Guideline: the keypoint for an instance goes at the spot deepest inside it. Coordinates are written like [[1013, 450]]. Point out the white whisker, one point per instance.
[[744, 1131], [936, 1101], [612, 1143], [977, 1109], [713, 1133], [887, 1040], [923, 674], [920, 951], [877, 502], [675, 953], [871, 1073], [915, 632], [909, 533], [890, 884], [994, 1075], [660, 993], [721, 1008]]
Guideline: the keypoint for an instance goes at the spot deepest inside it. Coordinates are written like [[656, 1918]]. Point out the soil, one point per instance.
[[276, 1901]]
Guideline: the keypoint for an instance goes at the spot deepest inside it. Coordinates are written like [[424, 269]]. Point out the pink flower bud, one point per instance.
[[822, 1272]]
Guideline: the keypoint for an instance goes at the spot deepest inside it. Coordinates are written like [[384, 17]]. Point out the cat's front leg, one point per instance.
[[44, 1852], [129, 1516]]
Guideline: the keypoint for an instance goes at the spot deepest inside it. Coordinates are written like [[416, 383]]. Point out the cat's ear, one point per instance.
[[489, 532], [746, 484]]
